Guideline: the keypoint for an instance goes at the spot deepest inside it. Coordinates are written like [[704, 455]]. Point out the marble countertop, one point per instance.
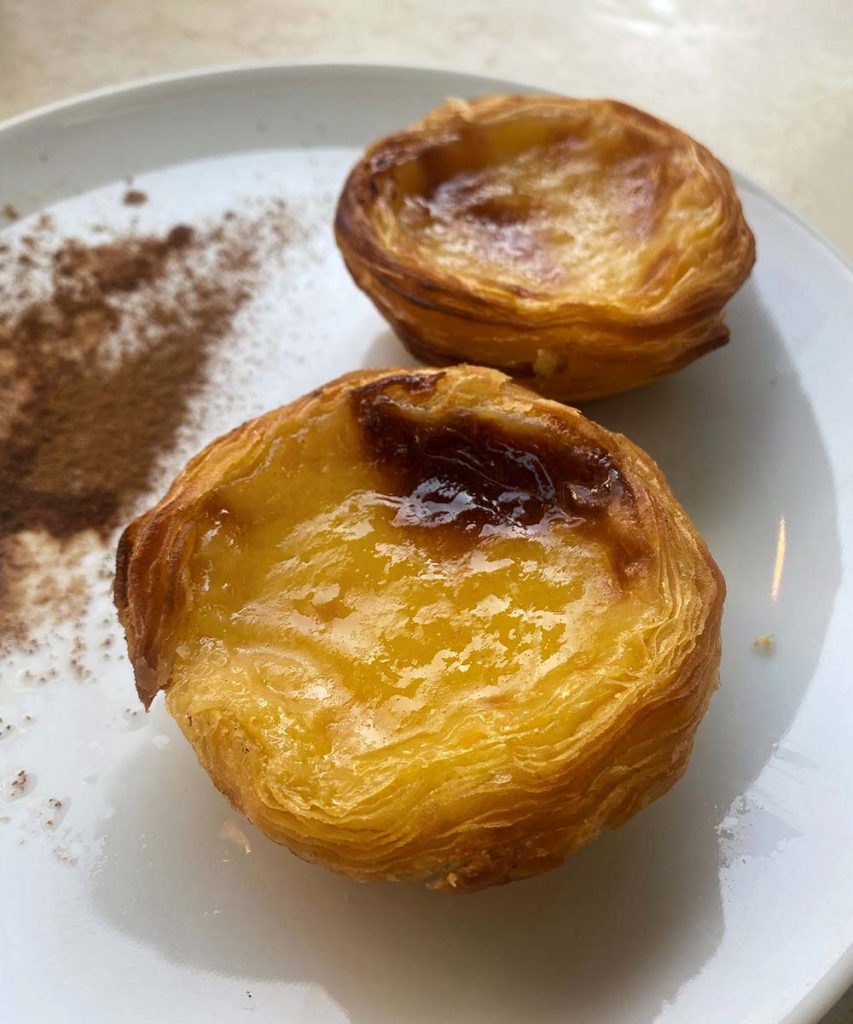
[[766, 84]]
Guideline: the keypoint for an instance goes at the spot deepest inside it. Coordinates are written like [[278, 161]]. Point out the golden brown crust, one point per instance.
[[483, 782], [580, 245]]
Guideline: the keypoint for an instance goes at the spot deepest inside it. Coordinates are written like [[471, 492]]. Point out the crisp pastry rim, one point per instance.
[[413, 277]]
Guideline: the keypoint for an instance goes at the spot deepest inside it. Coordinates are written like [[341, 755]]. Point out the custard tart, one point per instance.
[[426, 625], [581, 246]]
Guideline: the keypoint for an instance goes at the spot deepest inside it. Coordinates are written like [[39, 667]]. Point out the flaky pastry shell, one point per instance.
[[581, 246], [426, 625]]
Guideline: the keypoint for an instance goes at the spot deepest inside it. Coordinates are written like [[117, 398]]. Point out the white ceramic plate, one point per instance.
[[729, 900]]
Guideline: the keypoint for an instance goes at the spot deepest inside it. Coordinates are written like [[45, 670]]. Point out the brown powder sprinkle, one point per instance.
[[102, 349], [134, 197], [10, 212]]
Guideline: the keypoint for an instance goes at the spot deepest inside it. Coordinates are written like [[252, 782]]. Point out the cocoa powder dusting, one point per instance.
[[102, 349], [134, 197]]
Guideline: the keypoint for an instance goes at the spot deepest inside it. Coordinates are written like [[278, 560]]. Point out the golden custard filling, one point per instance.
[[351, 619], [555, 206], [426, 625]]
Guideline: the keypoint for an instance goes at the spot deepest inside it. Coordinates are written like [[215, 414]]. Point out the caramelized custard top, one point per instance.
[[407, 568], [545, 199]]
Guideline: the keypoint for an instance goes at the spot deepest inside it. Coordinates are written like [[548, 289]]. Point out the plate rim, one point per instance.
[[207, 74], [837, 979]]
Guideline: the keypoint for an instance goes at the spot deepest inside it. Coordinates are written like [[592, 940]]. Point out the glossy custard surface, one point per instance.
[[579, 206], [439, 594]]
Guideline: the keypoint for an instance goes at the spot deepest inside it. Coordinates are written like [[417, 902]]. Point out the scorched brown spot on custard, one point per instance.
[[466, 476]]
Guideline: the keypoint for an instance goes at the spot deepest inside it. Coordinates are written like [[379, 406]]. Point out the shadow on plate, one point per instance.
[[389, 953], [615, 934], [387, 350], [738, 441]]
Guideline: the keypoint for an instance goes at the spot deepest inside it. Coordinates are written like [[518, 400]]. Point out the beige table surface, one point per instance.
[[767, 84]]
